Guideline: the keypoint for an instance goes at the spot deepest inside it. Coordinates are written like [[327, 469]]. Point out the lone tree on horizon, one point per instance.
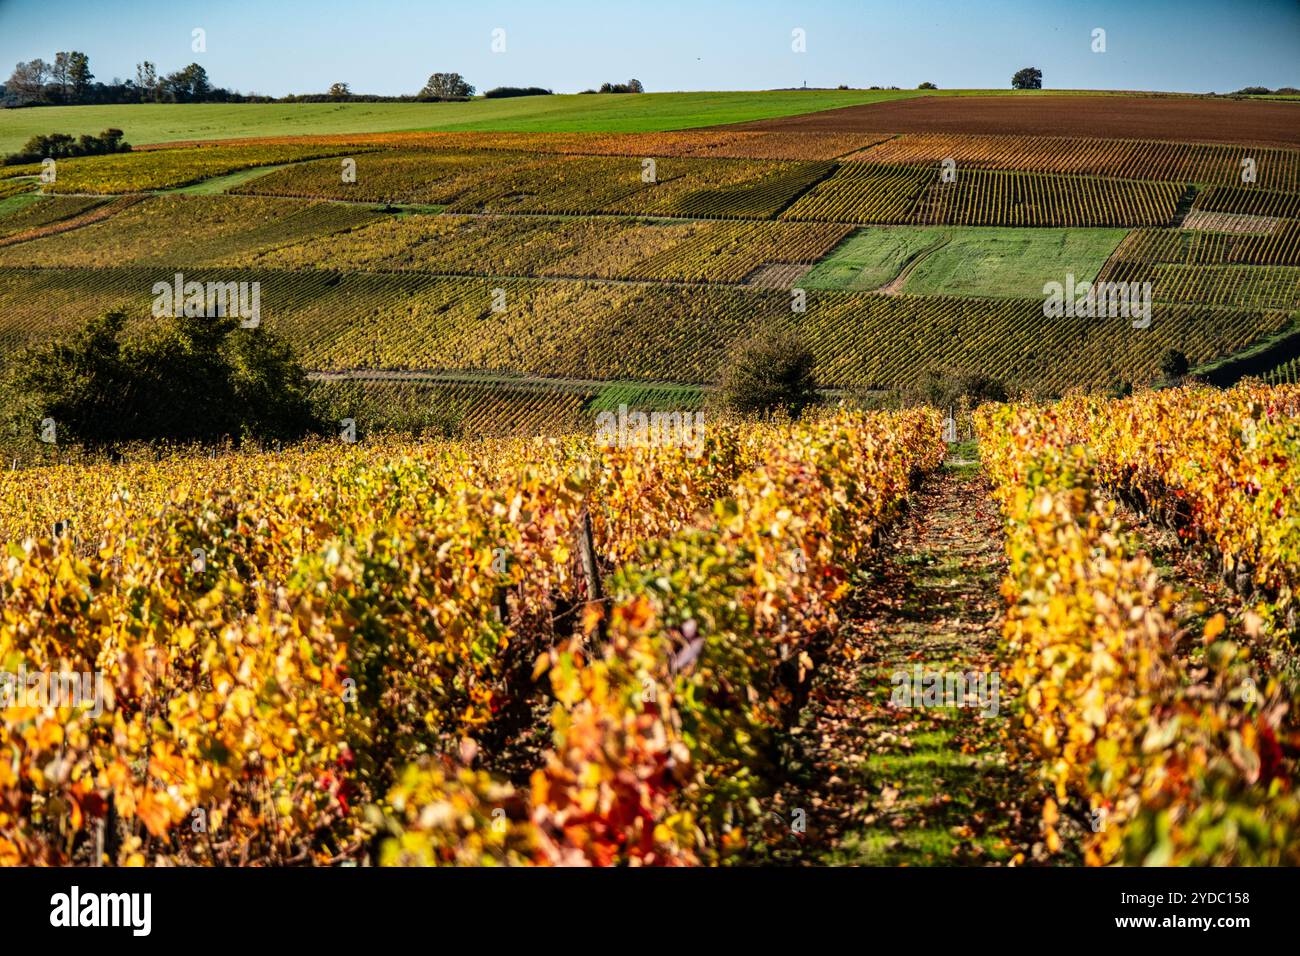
[[1030, 78], [447, 86]]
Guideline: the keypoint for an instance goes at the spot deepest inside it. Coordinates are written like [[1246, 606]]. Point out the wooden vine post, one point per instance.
[[591, 572]]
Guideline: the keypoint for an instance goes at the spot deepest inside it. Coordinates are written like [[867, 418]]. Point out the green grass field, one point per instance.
[[221, 184], [615, 113], [11, 204], [978, 261], [871, 257], [563, 113]]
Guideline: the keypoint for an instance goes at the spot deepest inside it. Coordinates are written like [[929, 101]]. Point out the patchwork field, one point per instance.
[[550, 183], [150, 123], [648, 331], [552, 262]]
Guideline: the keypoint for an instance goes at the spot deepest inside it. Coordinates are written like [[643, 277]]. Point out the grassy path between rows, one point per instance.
[[218, 185], [891, 786]]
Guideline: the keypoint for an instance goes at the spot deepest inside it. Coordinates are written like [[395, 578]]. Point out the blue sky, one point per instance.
[[391, 46]]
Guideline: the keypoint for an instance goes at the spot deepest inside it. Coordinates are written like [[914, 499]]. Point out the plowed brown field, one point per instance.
[[1107, 117]]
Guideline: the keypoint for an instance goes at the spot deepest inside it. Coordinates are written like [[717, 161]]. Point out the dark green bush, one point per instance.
[[195, 379], [770, 372]]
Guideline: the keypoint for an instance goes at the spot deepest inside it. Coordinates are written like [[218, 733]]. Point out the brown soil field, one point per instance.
[[1190, 119]]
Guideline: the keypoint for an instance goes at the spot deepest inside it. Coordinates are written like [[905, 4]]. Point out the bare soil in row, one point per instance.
[[1100, 117]]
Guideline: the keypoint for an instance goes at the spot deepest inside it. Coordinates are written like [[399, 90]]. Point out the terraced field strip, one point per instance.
[[561, 184], [96, 214], [186, 123], [647, 331], [143, 171], [1276, 168], [464, 377], [704, 144], [181, 231], [30, 212], [1279, 246], [1249, 201], [611, 249], [602, 393], [1222, 286], [867, 194], [483, 404]]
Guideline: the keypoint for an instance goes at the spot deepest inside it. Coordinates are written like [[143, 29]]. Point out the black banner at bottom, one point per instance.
[[689, 906]]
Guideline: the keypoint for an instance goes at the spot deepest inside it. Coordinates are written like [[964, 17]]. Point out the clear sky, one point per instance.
[[391, 46]]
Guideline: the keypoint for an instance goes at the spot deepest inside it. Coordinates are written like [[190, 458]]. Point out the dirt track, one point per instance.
[[1102, 117]]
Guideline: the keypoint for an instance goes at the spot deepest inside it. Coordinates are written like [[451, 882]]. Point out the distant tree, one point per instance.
[[146, 81], [59, 76], [631, 86], [189, 85], [69, 80], [172, 88], [502, 92], [927, 86], [1030, 78], [340, 91], [199, 85], [447, 86], [1173, 364], [79, 76], [27, 83], [1265, 91], [771, 371]]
